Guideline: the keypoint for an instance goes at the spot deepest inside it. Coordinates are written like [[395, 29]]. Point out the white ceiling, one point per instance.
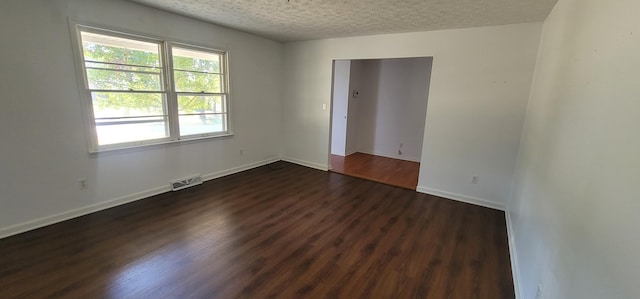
[[295, 20]]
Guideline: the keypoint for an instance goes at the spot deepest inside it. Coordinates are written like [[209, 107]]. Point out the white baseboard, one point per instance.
[[462, 198], [392, 156], [513, 256], [240, 168], [44, 221], [306, 163]]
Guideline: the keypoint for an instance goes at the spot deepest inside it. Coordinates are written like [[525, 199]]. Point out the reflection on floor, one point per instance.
[[385, 170]]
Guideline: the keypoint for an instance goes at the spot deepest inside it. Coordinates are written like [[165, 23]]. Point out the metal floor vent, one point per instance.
[[186, 182]]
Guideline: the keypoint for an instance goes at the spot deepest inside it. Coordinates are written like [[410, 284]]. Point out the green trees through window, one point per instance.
[[132, 89]]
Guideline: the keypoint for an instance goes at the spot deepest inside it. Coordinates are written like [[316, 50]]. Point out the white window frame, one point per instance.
[[225, 82], [171, 95]]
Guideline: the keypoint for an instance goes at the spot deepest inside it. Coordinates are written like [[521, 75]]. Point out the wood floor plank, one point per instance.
[[278, 231], [395, 172]]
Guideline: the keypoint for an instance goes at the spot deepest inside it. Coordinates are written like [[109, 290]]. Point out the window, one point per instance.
[[145, 91], [199, 84]]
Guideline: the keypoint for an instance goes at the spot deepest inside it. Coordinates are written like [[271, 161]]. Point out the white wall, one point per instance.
[[575, 211], [355, 83], [393, 105], [44, 150], [479, 89], [341, 74]]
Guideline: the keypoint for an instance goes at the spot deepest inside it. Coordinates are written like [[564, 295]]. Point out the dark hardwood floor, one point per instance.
[[395, 172], [278, 231]]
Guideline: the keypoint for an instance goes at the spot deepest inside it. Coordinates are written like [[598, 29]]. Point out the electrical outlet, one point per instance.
[[82, 183], [474, 179]]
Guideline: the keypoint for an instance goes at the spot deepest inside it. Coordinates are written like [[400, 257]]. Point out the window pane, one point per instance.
[[192, 60], [123, 80], [202, 124], [104, 48], [120, 133], [120, 63], [197, 82], [198, 104], [127, 117], [197, 71], [124, 104], [200, 114]]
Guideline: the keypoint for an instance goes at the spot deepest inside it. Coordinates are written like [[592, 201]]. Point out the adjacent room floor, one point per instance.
[[400, 173], [277, 231]]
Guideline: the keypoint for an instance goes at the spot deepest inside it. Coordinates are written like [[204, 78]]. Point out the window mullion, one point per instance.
[[95, 145], [172, 97]]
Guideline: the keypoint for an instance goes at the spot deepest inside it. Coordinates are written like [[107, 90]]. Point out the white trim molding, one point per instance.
[[462, 198], [513, 256], [48, 220], [323, 167], [392, 156], [226, 172]]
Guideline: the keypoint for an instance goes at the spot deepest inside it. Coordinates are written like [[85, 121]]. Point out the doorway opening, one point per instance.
[[378, 118]]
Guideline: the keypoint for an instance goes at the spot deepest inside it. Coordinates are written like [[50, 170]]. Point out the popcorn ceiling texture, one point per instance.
[[296, 20]]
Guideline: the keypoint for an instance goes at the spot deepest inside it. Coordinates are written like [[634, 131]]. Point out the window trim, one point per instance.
[[165, 48]]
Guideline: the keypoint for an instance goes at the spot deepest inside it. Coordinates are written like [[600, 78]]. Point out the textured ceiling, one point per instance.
[[295, 20]]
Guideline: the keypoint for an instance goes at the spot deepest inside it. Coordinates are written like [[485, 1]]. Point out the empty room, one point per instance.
[[183, 149]]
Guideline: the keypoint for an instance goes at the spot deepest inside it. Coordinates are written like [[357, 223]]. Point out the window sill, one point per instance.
[[155, 145]]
